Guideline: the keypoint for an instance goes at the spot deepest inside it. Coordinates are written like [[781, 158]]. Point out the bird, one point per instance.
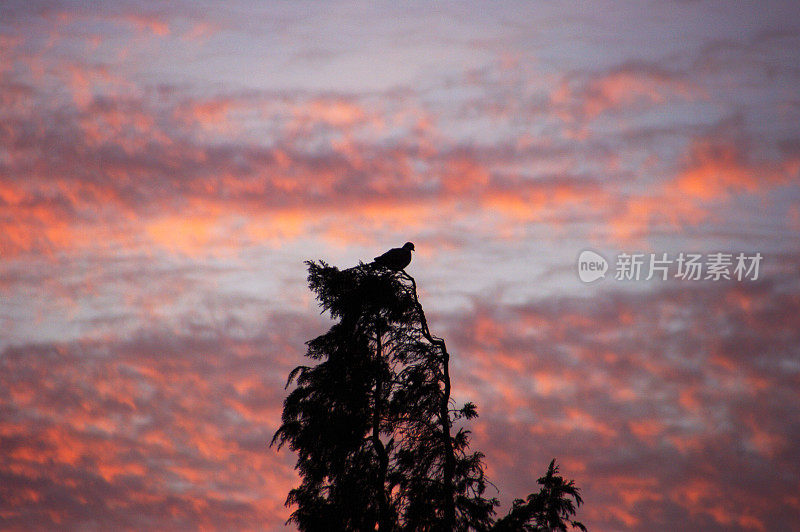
[[396, 258]]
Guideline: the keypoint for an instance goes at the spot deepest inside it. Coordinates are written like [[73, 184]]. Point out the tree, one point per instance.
[[372, 422], [550, 509]]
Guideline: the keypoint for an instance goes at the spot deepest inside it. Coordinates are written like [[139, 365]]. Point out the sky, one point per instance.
[[166, 168]]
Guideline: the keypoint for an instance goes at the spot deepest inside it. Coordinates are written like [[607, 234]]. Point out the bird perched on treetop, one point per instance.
[[396, 258]]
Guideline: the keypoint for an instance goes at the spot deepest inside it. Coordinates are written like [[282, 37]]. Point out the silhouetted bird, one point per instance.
[[396, 258]]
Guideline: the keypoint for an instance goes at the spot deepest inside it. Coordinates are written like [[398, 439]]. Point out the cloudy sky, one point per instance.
[[166, 168]]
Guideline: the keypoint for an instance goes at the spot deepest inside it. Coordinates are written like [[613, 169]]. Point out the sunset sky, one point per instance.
[[166, 168]]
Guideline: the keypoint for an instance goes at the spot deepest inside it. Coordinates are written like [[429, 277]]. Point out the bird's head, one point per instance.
[[409, 246]]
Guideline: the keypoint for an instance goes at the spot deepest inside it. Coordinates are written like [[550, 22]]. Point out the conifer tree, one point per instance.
[[372, 422]]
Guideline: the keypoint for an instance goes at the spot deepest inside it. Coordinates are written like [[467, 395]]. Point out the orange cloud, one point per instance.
[[713, 173], [150, 23], [618, 89], [623, 88], [716, 171]]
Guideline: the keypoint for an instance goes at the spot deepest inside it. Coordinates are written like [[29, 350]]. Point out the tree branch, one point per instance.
[[444, 411]]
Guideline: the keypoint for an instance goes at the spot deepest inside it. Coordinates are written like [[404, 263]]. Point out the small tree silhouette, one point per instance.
[[550, 509], [372, 421]]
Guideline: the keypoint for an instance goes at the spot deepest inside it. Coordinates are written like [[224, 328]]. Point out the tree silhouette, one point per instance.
[[550, 509], [372, 421]]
